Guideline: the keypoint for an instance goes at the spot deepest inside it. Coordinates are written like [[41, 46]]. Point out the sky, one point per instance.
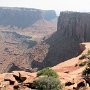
[[58, 5]]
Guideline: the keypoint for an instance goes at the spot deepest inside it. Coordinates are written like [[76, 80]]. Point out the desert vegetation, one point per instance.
[[47, 72], [86, 72], [86, 57], [48, 80], [48, 83], [83, 63]]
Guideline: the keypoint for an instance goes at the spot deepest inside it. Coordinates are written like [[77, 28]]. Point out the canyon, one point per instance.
[[22, 30], [33, 39], [44, 43], [72, 29]]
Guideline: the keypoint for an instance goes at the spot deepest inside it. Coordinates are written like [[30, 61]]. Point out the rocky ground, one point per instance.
[[70, 74], [69, 71], [16, 79]]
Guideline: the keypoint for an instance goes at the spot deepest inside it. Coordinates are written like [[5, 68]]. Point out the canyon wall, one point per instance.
[[73, 28], [21, 32], [74, 25], [23, 17]]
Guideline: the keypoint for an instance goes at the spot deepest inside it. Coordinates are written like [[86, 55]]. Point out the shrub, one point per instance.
[[83, 63], [88, 63], [88, 52], [86, 71], [47, 83], [83, 57], [47, 72]]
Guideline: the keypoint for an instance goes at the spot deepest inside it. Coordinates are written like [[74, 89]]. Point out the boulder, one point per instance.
[[9, 77]]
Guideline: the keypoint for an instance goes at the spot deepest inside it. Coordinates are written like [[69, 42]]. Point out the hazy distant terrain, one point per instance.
[[23, 17], [21, 32], [29, 22]]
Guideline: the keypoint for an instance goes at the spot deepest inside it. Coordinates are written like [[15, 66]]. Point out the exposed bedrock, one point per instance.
[[24, 17], [73, 28]]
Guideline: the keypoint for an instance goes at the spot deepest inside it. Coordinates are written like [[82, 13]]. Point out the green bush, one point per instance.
[[83, 63], [88, 52], [88, 63], [86, 71], [47, 72], [47, 83], [83, 57]]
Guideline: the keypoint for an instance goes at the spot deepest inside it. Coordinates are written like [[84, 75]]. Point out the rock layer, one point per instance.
[[73, 28], [23, 17]]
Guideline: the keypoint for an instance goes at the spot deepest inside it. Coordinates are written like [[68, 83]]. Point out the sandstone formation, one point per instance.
[[17, 80], [23, 17], [64, 44], [73, 28], [72, 80], [21, 32]]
